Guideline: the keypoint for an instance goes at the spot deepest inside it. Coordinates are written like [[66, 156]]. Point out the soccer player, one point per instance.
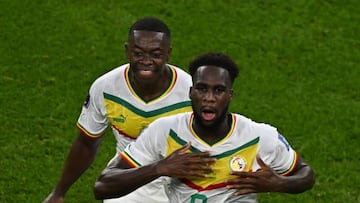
[[128, 98], [211, 154]]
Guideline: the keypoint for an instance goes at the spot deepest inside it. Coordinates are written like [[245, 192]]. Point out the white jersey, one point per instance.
[[235, 152], [113, 101]]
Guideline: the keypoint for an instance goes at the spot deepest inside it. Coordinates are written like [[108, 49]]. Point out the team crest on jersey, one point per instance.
[[238, 163]]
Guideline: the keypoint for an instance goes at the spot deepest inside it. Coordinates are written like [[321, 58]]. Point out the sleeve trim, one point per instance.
[[86, 134], [292, 167], [126, 157]]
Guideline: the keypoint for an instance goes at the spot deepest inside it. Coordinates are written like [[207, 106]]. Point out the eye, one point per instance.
[[156, 55], [201, 89], [137, 54], [219, 90]]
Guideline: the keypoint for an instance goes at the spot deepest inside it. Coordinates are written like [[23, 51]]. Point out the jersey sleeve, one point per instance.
[[275, 151], [148, 148], [92, 121]]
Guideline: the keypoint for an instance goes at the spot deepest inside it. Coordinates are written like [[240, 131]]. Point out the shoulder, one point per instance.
[[181, 74], [171, 120], [112, 74], [263, 130], [109, 77]]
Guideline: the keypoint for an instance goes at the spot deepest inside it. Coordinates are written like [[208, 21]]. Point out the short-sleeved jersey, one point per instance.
[[235, 152], [113, 101]]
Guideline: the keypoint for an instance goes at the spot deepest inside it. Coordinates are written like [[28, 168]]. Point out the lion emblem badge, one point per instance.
[[238, 164]]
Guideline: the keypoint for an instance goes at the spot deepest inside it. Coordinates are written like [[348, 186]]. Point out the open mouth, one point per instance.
[[208, 114]]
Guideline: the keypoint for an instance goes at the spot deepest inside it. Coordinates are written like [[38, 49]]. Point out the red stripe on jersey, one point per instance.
[[199, 188], [129, 160], [86, 134], [293, 166], [123, 133]]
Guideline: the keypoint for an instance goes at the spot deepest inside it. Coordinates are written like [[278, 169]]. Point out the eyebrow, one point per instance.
[[155, 49]]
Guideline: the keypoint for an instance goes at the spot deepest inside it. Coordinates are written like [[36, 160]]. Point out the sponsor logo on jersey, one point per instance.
[[120, 119], [238, 163]]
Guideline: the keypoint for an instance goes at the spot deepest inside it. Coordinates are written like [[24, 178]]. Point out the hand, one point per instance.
[[263, 180], [181, 164], [52, 198]]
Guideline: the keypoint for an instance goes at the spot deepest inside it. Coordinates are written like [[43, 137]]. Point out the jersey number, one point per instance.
[[198, 198]]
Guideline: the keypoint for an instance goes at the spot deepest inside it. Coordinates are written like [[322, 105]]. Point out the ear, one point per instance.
[[190, 91], [168, 54], [231, 94], [170, 50], [126, 44], [127, 52]]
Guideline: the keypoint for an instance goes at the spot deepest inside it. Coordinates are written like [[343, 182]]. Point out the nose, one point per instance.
[[209, 96], [146, 59]]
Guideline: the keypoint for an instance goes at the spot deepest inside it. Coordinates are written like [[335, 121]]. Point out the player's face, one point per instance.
[[211, 95], [147, 52]]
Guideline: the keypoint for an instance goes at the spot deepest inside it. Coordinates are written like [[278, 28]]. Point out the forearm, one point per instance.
[[301, 180], [116, 182], [78, 160]]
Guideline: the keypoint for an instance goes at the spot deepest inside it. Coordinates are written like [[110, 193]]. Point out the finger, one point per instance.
[[184, 148], [242, 182], [242, 187], [244, 192], [200, 174], [261, 162], [243, 174], [201, 165], [200, 156]]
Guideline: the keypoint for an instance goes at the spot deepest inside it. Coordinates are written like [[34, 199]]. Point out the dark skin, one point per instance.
[[147, 53], [267, 180], [210, 95], [119, 178]]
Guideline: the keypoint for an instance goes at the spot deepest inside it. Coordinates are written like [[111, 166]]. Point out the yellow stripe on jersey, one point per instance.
[[86, 133], [130, 121], [129, 160], [240, 159], [293, 165]]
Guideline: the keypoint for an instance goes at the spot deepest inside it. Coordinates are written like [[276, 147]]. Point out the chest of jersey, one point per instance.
[[230, 155], [130, 119]]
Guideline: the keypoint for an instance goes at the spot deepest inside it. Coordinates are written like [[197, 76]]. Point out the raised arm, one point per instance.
[[266, 180], [80, 157], [119, 178]]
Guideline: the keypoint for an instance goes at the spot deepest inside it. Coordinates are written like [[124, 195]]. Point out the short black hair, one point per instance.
[[215, 59], [151, 24]]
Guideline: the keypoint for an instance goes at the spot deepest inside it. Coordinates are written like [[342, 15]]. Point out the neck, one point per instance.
[[148, 91], [214, 133]]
